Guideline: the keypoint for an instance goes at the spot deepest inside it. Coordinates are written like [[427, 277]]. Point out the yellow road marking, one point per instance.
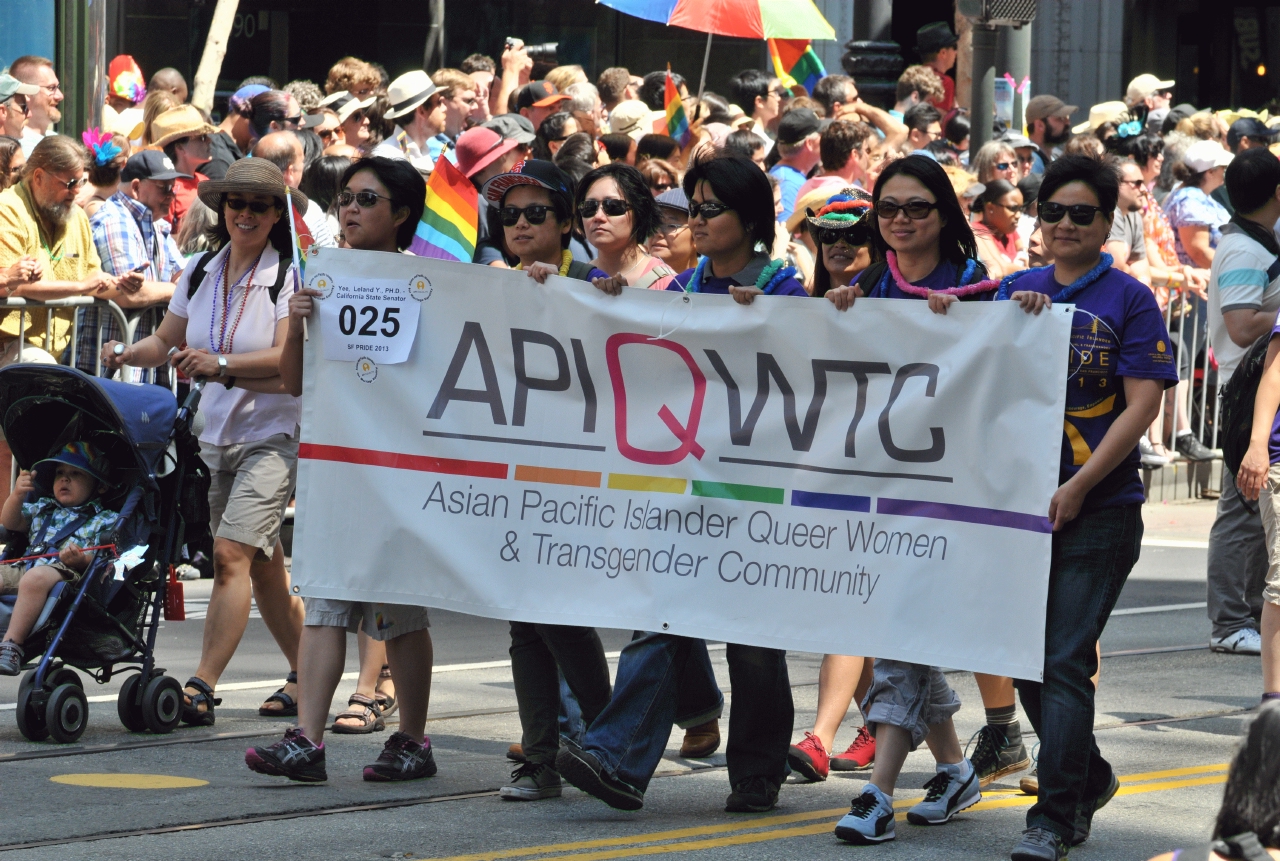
[[129, 781], [749, 831]]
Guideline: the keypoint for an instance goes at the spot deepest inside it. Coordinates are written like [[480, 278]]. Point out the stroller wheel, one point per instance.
[[30, 718], [67, 713], [162, 704], [128, 707]]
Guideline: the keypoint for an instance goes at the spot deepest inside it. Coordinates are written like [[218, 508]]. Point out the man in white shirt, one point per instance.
[[410, 94], [1244, 296], [42, 106], [284, 150]]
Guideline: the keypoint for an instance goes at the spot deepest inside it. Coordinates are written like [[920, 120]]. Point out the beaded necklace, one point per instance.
[[566, 257], [1065, 294], [225, 343], [770, 279], [964, 289]]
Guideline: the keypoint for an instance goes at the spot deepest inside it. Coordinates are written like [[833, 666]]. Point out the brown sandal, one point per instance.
[[364, 709], [386, 701]]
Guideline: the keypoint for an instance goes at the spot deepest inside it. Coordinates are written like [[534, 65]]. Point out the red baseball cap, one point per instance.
[[479, 147]]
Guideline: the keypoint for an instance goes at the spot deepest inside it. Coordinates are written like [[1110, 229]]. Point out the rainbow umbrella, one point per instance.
[[746, 19]]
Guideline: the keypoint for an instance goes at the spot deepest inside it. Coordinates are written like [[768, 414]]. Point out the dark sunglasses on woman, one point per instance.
[[257, 207], [535, 214], [916, 210], [707, 209], [853, 235], [1081, 213], [366, 199], [612, 206]]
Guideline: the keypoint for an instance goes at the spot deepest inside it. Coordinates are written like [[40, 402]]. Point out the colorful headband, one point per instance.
[[848, 207], [100, 144]]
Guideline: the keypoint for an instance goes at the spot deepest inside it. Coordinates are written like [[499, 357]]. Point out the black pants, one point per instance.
[[536, 653]]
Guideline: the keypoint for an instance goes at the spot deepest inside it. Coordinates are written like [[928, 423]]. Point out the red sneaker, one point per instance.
[[809, 758], [859, 755]]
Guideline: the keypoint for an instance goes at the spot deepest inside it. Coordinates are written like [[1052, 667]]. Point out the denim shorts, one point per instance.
[[912, 696], [381, 621]]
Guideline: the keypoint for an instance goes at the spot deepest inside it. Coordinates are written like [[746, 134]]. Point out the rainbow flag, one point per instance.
[[795, 63], [302, 240], [677, 122], [447, 230]]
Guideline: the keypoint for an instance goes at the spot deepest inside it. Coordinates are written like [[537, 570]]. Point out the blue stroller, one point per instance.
[[108, 623]]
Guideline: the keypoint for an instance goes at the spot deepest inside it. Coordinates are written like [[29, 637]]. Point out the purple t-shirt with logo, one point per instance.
[[1117, 332]]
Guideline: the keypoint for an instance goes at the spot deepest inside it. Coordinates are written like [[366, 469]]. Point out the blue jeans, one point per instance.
[[539, 654], [1092, 557], [664, 680]]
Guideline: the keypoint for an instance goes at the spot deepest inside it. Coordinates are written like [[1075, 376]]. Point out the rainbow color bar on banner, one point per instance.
[[447, 230], [794, 62]]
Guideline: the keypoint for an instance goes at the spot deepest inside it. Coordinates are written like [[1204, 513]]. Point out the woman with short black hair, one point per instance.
[[553, 132], [996, 231], [617, 215]]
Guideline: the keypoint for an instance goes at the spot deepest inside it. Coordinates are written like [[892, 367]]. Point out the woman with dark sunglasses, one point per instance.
[[1120, 365], [842, 234], [617, 214], [999, 208]]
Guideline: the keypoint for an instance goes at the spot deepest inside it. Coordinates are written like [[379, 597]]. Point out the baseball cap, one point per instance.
[[673, 198], [538, 94], [150, 164], [479, 147], [1249, 127], [80, 455], [934, 37], [543, 174], [1106, 112], [1176, 114], [11, 86], [512, 126], [796, 125], [1042, 107], [1206, 155], [1016, 140], [1143, 86]]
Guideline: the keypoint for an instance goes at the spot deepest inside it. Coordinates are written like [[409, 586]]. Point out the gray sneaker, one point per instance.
[[1039, 844], [946, 795], [10, 658], [532, 781]]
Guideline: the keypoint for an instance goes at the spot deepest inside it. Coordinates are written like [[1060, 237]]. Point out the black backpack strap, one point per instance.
[[1273, 271], [282, 269], [197, 274], [579, 270]]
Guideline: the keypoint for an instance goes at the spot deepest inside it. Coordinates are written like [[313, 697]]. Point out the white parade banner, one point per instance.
[[873, 482]]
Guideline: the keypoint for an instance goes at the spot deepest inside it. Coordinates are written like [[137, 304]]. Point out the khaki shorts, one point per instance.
[[912, 696], [251, 484], [11, 574], [381, 621], [1269, 507]]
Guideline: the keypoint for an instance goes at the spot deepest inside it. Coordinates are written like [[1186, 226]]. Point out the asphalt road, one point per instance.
[[1170, 713]]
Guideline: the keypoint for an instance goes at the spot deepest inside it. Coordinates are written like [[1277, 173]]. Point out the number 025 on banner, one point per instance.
[[373, 318]]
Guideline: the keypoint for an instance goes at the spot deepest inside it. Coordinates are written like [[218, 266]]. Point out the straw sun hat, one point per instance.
[[249, 176]]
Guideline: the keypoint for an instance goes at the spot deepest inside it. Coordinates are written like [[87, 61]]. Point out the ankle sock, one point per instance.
[[1273, 695], [1004, 716], [959, 770]]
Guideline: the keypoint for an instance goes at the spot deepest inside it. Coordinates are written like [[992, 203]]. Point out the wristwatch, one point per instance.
[[222, 366]]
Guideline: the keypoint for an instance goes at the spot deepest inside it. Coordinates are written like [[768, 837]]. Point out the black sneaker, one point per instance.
[[753, 795], [998, 752], [294, 757], [584, 771], [1191, 448], [402, 758], [1087, 807], [10, 658], [1039, 844]]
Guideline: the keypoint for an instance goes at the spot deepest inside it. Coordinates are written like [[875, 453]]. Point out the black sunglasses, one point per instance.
[[1081, 213], [707, 209], [916, 210], [535, 214], [853, 236], [235, 204], [1003, 165], [612, 207], [366, 199]]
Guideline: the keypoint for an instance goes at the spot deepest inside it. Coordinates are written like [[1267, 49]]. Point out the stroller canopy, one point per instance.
[[43, 407]]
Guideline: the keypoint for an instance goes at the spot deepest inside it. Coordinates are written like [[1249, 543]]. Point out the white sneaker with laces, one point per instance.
[[869, 820], [1246, 641], [952, 789]]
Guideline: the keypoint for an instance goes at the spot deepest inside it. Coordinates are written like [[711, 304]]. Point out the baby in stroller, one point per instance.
[[65, 523]]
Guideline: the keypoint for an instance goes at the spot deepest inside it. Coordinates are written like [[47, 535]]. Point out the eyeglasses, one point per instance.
[[782, 93], [70, 184], [292, 121], [1135, 183], [366, 199], [707, 209], [535, 214], [51, 88], [853, 236], [916, 210], [612, 206], [165, 188], [326, 134], [1006, 207], [1081, 213], [671, 228], [257, 207], [18, 103], [1004, 165]]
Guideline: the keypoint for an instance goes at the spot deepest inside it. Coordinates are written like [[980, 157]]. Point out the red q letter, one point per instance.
[[687, 433]]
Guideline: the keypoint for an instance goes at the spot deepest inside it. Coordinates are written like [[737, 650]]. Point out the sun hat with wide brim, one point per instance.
[[184, 121], [344, 104], [249, 176]]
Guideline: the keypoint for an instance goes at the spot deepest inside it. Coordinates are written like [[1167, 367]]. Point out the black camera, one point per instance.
[[544, 53]]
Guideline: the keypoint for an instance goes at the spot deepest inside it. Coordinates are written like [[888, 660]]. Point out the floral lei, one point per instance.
[[771, 277]]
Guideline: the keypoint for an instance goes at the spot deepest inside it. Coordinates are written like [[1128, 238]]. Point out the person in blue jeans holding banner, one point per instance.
[[1120, 365], [665, 679]]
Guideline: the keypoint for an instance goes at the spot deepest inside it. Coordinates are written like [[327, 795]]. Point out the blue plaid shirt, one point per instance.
[[46, 517], [127, 236]]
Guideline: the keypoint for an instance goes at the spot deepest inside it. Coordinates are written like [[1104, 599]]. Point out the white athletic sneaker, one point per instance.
[[1148, 453], [1246, 641], [954, 788], [869, 820]]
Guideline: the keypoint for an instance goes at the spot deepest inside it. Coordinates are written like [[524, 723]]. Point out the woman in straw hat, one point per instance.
[[230, 311]]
